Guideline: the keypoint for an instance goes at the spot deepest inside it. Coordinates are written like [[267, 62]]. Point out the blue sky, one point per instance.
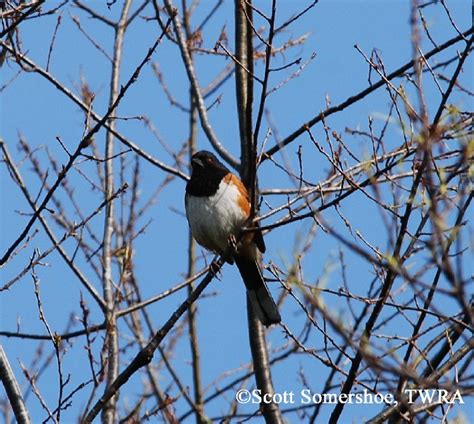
[[32, 108]]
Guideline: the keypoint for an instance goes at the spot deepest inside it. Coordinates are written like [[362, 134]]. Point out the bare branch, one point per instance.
[[13, 390]]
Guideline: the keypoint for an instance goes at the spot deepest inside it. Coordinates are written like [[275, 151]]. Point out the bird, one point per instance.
[[217, 207]]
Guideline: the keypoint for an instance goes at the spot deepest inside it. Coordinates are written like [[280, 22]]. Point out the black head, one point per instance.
[[204, 161], [207, 173]]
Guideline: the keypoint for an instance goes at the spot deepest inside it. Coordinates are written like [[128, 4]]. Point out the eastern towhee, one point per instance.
[[217, 207]]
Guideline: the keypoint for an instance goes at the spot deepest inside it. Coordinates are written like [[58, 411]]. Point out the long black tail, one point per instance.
[[261, 299]]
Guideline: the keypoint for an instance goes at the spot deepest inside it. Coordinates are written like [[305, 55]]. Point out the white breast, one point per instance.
[[213, 219]]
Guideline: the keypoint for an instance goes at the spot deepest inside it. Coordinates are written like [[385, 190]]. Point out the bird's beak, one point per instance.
[[197, 162]]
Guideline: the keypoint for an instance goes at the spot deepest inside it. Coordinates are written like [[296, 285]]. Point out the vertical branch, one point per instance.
[[192, 312], [261, 365], [13, 390], [108, 415], [244, 94], [241, 79], [249, 159]]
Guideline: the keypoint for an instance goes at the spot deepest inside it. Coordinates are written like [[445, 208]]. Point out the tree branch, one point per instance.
[[13, 390], [355, 98]]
